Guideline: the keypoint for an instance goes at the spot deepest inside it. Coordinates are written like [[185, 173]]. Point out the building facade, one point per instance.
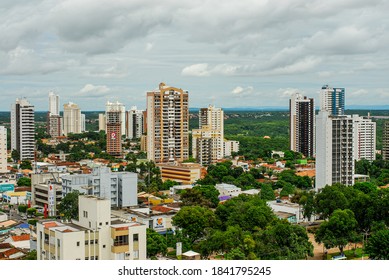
[[332, 100], [94, 236], [53, 103], [302, 125], [134, 123], [23, 129], [71, 118], [121, 109], [118, 187], [183, 173], [3, 150], [335, 150], [364, 138], [54, 125], [167, 124], [385, 141], [230, 146], [207, 141], [113, 132]]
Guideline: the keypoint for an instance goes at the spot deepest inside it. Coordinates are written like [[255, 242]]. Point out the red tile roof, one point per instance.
[[21, 237]]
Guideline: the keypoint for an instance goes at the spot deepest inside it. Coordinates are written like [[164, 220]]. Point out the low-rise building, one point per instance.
[[96, 235], [119, 187], [228, 190], [184, 173], [286, 210]]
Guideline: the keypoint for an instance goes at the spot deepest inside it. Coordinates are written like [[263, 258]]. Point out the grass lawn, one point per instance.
[[350, 254]]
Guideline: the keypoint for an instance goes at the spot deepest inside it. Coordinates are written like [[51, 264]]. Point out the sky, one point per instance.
[[246, 53]]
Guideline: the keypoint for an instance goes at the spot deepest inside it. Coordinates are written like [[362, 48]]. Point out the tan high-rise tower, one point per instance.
[[167, 124]]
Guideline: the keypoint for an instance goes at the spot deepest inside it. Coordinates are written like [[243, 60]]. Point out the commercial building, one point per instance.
[[134, 123], [94, 236], [183, 173], [207, 141], [71, 118], [46, 191], [3, 150], [302, 125], [23, 129], [167, 124], [118, 187]]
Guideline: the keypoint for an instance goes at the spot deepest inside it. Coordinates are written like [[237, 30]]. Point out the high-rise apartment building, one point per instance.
[[302, 125], [53, 103], [113, 131], [102, 122], [385, 141], [364, 138], [167, 124], [207, 141], [54, 120], [332, 100], [230, 146], [335, 150], [134, 123], [3, 150], [23, 129], [71, 118], [117, 107]]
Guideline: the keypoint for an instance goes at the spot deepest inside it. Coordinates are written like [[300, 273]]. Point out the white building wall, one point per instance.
[[3, 150]]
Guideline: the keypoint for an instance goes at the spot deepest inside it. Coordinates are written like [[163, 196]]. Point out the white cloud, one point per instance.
[[197, 70], [93, 90]]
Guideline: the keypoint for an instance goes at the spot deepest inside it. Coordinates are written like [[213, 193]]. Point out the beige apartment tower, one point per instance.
[[167, 124], [71, 118]]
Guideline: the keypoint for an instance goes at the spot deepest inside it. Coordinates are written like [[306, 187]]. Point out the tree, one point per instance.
[[22, 208], [31, 255], [15, 155], [68, 207], [307, 201], [338, 231], [26, 164], [210, 193], [378, 245], [156, 243], [193, 197], [330, 199], [31, 211], [283, 240], [195, 221], [267, 192], [24, 181]]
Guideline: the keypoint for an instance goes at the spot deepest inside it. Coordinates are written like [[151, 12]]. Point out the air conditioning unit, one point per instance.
[[128, 254]]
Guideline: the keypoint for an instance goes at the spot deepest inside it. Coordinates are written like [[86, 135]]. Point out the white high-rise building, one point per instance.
[[302, 125], [53, 104], [207, 141], [83, 127], [3, 149], [102, 122], [134, 123], [117, 107], [167, 124], [23, 129], [71, 118], [364, 138], [230, 146], [335, 150]]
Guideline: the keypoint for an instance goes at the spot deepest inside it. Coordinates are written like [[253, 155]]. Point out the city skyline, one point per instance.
[[240, 54]]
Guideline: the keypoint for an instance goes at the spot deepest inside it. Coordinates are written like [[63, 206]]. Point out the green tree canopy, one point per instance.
[[378, 245], [24, 182], [195, 221], [156, 243], [69, 206], [338, 231]]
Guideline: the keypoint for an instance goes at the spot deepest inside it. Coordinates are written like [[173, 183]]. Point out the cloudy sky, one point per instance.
[[227, 53]]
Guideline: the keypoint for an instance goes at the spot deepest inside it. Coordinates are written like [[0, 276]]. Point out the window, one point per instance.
[[121, 240], [100, 224], [135, 237], [103, 246], [78, 243], [86, 242], [85, 214], [86, 258]]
